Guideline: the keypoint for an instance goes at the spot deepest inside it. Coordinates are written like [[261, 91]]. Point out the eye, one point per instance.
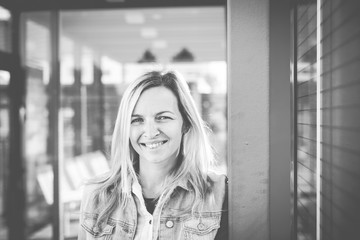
[[161, 118], [136, 120]]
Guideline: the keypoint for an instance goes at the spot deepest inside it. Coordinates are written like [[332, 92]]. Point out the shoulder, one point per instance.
[[217, 179], [88, 191], [218, 183], [90, 187]]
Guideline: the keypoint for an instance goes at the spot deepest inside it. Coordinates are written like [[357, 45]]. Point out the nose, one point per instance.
[[151, 129]]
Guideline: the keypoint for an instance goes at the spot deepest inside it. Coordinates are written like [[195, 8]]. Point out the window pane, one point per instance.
[[5, 30], [306, 103], [38, 155]]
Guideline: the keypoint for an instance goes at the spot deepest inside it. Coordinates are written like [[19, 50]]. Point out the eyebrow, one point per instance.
[[159, 113]]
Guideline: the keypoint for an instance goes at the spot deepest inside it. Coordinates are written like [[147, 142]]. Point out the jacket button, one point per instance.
[[201, 226], [169, 224]]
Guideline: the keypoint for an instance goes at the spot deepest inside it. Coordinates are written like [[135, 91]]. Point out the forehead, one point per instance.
[[155, 100]]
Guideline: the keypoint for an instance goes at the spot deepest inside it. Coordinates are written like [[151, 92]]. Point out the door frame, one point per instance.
[[10, 61], [54, 9]]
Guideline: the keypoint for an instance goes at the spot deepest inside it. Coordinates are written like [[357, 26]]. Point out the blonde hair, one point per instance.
[[194, 161]]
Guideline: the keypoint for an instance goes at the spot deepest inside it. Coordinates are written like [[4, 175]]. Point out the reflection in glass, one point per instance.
[[306, 120]]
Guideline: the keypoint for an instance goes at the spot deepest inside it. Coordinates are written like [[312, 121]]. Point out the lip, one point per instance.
[[153, 144]]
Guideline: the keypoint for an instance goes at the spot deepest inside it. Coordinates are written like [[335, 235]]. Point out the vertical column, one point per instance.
[[259, 119], [248, 63], [54, 110]]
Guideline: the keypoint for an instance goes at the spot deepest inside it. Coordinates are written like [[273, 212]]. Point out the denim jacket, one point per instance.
[[169, 219]]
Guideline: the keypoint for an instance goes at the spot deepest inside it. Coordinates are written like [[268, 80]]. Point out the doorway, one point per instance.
[[78, 63]]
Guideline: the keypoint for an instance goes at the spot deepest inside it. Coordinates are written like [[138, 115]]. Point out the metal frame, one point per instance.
[[13, 180], [18, 228], [40, 5], [16, 196], [54, 86], [294, 120], [280, 124]]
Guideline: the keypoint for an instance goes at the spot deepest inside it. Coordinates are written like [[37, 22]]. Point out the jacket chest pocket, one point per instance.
[[201, 228], [113, 230]]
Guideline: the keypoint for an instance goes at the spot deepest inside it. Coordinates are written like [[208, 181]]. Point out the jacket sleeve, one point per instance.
[[81, 233], [83, 206]]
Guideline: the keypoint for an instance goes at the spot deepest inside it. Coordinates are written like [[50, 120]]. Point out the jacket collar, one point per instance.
[[184, 183], [137, 189]]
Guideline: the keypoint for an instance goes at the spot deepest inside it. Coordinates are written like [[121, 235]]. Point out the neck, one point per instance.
[[152, 177]]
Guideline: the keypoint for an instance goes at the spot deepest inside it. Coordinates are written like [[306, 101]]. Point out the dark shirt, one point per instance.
[[150, 204]]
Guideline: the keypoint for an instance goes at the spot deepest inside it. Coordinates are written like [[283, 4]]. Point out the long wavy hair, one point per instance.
[[193, 162]]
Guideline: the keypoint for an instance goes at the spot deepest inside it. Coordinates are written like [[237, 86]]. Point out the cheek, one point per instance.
[[177, 133], [133, 136]]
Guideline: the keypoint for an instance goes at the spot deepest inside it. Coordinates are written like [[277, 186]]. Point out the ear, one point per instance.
[[185, 128]]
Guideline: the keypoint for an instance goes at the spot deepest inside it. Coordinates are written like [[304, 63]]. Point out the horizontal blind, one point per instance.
[[340, 119]]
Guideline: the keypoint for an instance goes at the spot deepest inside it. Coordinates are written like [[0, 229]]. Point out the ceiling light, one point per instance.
[[159, 44], [4, 14], [4, 77], [157, 16], [134, 18], [148, 33]]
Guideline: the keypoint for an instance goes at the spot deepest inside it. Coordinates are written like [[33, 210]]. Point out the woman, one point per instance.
[[160, 185]]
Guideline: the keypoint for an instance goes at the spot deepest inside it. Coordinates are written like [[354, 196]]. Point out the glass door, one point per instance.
[[40, 133], [78, 64], [101, 52]]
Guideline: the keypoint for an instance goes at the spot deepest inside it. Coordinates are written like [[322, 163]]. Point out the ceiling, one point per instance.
[[124, 35]]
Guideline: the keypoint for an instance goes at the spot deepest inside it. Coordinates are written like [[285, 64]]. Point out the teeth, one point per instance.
[[154, 145]]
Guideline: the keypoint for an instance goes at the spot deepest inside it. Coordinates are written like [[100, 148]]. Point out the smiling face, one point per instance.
[[156, 127]]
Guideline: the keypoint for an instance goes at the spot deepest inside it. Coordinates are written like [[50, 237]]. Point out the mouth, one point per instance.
[[154, 144]]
